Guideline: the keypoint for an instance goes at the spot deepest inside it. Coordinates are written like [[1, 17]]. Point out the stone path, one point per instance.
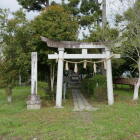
[[80, 103]]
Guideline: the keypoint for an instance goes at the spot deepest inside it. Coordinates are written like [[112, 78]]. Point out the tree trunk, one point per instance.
[[104, 20], [52, 71], [136, 88], [8, 91], [19, 79]]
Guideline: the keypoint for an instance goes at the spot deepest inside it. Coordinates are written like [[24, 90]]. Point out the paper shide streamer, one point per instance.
[[85, 64], [94, 67], [66, 66], [105, 64], [75, 68]]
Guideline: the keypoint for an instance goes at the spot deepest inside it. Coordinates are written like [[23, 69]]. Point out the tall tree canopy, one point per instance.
[[34, 4], [103, 34], [130, 39], [15, 58], [56, 23], [130, 35], [15, 35], [88, 12]]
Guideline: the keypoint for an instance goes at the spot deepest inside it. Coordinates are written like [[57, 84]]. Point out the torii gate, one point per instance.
[[62, 45]]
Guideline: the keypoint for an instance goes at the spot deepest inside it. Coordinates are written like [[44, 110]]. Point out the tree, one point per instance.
[[34, 4], [99, 34], [8, 74], [15, 57], [55, 23], [131, 40], [103, 34], [87, 12]]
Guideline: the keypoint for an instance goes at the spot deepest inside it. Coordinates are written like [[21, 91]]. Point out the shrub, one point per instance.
[[44, 91], [42, 87], [95, 86]]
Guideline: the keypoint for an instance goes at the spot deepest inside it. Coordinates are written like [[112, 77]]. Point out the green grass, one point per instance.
[[118, 122]]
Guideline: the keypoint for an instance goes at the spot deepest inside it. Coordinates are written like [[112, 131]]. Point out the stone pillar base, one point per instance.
[[58, 107], [34, 102]]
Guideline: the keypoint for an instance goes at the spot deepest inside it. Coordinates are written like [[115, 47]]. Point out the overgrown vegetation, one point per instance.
[[107, 123], [95, 87], [19, 37], [130, 38]]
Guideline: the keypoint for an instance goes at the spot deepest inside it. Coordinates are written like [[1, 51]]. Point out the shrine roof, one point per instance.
[[73, 44]]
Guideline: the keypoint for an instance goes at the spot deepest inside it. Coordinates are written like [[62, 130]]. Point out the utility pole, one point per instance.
[[104, 19]]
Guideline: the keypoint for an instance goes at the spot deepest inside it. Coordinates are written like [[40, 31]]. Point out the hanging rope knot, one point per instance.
[[85, 64], [94, 67], [105, 64], [56, 60], [109, 57]]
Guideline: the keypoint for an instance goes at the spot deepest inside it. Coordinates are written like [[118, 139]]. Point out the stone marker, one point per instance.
[[34, 101]]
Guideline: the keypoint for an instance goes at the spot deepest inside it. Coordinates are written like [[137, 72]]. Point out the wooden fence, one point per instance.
[[125, 81]]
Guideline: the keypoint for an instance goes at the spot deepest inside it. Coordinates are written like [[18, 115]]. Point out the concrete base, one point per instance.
[[33, 102], [59, 107]]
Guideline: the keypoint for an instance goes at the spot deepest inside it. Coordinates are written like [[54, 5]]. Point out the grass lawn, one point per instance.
[[118, 122]]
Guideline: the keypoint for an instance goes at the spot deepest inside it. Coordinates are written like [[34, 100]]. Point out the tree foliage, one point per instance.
[[103, 34], [56, 23], [88, 12], [34, 4], [15, 58], [130, 38], [130, 46]]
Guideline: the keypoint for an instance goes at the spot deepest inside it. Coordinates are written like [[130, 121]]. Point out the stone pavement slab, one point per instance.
[[80, 103]]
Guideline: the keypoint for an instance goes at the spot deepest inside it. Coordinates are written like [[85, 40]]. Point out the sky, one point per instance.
[[117, 7], [113, 7], [14, 6]]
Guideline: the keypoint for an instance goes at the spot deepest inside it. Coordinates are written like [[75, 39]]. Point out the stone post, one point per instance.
[[109, 79], [64, 90], [33, 100], [59, 78]]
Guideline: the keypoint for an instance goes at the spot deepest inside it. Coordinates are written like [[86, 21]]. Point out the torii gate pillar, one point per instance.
[[109, 79], [59, 78]]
